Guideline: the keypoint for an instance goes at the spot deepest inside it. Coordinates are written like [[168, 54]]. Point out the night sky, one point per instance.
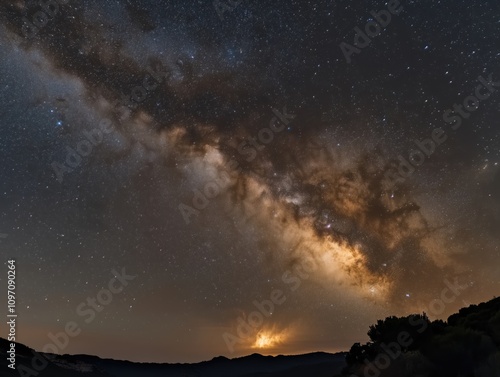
[[224, 152]]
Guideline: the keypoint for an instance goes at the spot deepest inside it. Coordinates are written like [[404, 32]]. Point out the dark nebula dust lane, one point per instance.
[[216, 150]]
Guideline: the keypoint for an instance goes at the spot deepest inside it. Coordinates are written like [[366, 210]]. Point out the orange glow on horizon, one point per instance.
[[268, 339]]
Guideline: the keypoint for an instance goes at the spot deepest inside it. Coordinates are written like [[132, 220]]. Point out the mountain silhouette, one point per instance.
[[318, 364], [466, 345]]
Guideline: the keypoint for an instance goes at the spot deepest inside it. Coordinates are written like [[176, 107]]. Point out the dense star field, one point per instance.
[[266, 177]]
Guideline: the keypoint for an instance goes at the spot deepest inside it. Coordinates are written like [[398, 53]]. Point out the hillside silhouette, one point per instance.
[[319, 364], [466, 345]]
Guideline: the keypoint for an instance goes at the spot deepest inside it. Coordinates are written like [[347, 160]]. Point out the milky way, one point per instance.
[[214, 152]]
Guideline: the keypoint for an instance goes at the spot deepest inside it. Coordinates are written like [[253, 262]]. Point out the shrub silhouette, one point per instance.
[[467, 344]]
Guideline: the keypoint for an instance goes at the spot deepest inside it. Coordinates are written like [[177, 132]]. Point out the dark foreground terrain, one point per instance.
[[466, 345], [315, 364]]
